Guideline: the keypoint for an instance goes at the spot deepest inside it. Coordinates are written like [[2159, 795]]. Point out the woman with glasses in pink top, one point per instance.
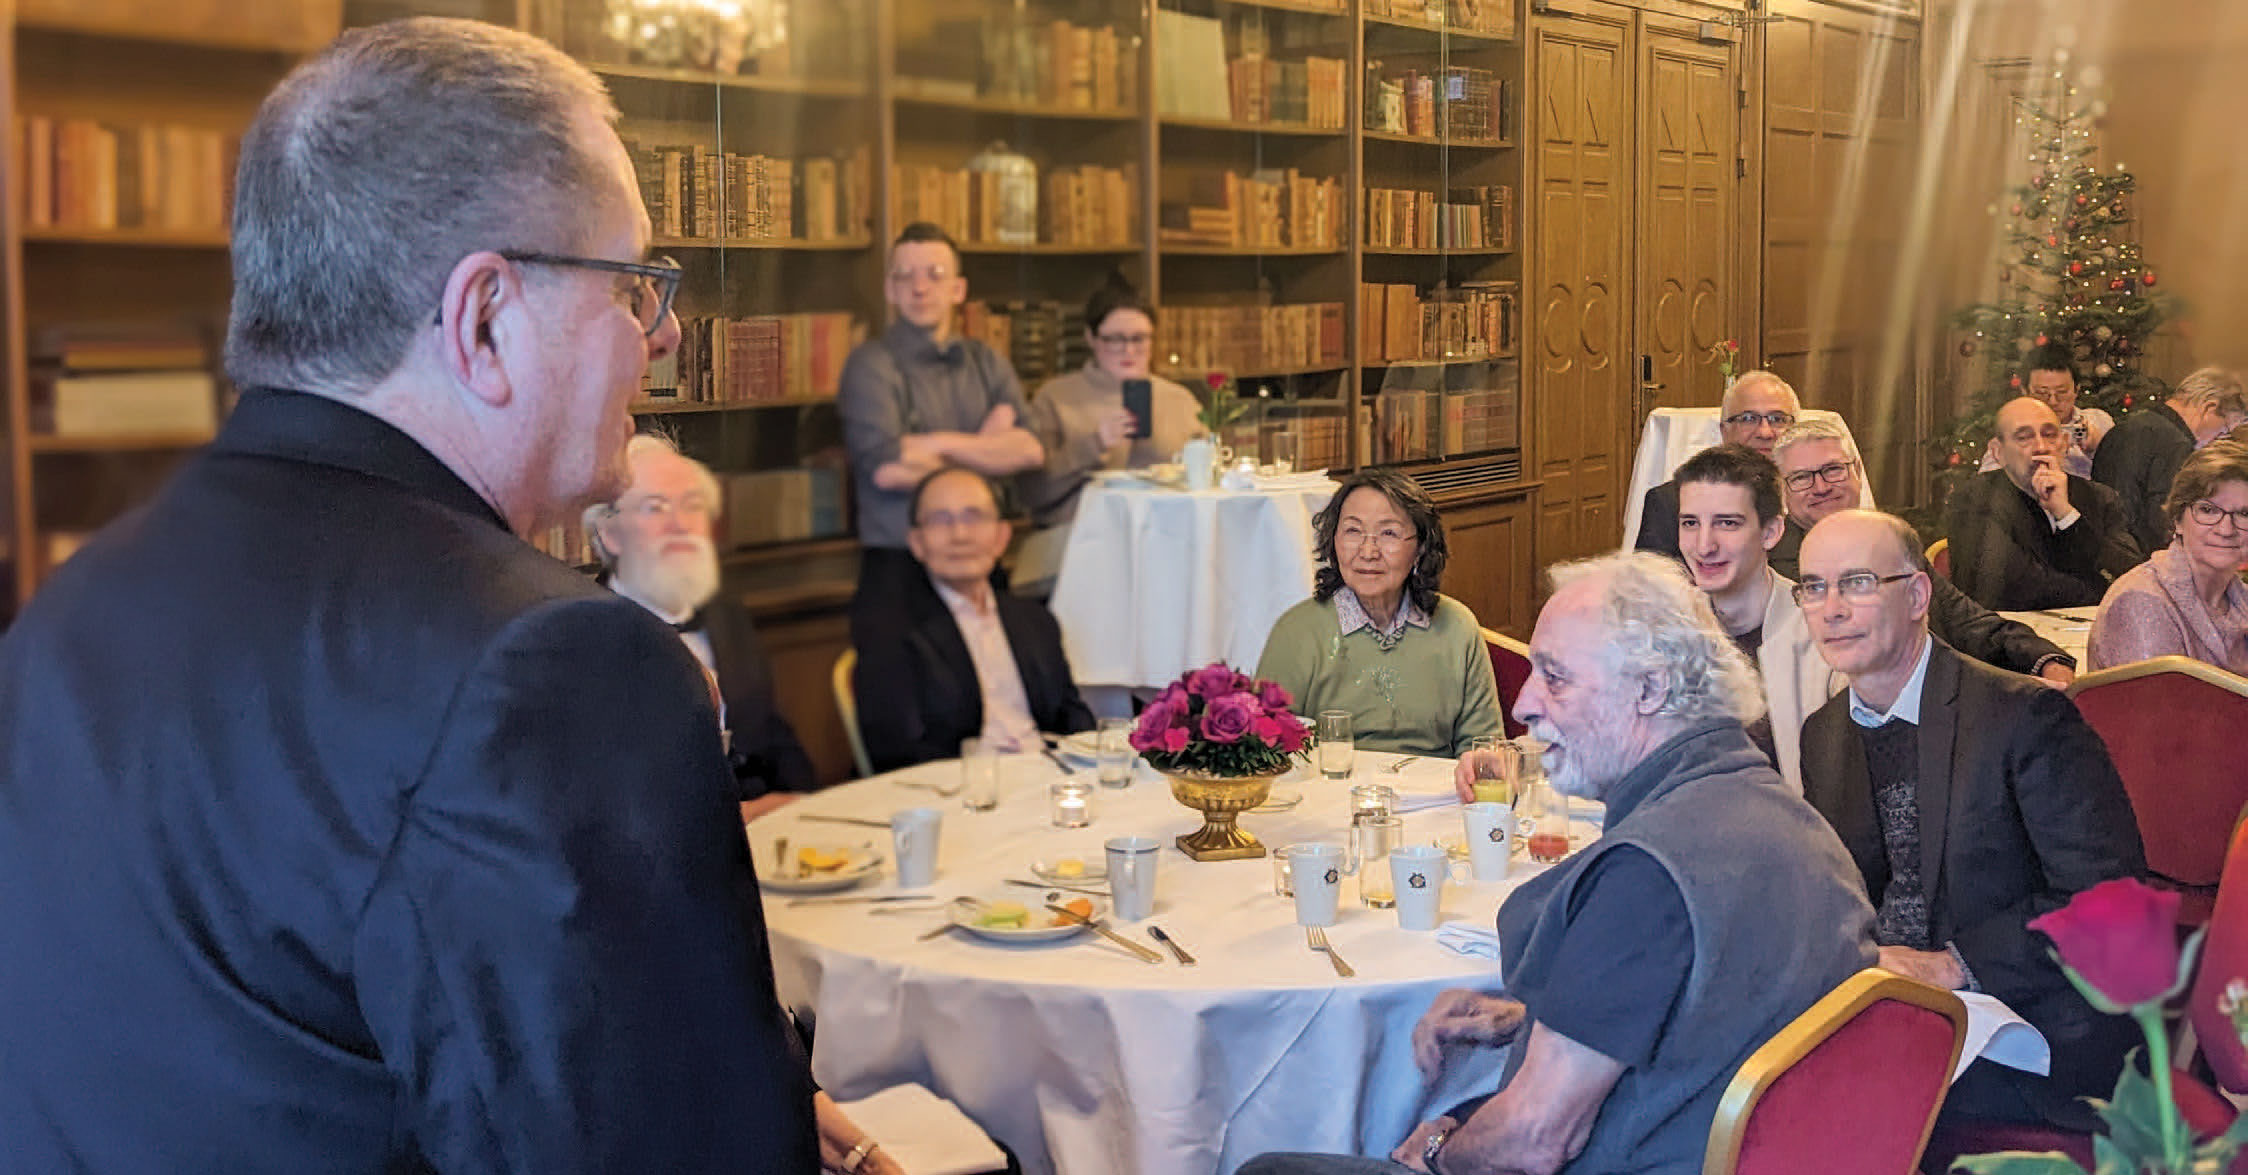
[[2188, 599]]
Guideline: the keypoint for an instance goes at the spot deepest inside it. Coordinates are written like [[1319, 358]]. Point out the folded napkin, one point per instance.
[[924, 1133], [1422, 801], [1473, 939], [1998, 1034]]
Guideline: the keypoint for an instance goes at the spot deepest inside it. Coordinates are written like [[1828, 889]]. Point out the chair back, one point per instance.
[[1510, 662], [847, 707], [1881, 1045], [1939, 557], [2224, 958], [2170, 725]]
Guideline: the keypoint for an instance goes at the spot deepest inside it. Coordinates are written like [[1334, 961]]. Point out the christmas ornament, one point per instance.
[[1955, 458], [2103, 333], [2042, 340], [2127, 401], [2082, 199], [2039, 181], [2014, 382], [2103, 371], [2052, 241], [2069, 224], [1967, 348], [2118, 284], [2147, 277], [2075, 269]]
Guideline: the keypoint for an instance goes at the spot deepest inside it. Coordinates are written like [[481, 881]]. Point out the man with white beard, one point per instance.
[[1714, 908], [656, 550]]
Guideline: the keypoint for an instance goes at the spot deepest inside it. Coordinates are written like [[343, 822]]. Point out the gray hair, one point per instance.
[[1816, 430], [643, 445], [372, 169], [1753, 379], [2213, 387], [1658, 624]]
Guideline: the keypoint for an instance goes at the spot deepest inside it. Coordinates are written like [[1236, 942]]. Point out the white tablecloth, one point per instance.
[[1155, 582], [1673, 435], [2070, 628], [1084, 1059]]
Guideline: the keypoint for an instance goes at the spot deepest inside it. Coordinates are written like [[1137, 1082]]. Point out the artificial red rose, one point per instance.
[[1267, 730], [1214, 680], [1291, 734], [1215, 379], [2120, 937], [1161, 715], [1229, 717], [1273, 697], [1173, 694], [1174, 739]]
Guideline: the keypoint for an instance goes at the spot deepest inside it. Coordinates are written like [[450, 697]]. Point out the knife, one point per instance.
[[845, 820], [1156, 932], [1066, 768], [891, 897], [1098, 893], [934, 933], [1145, 954]]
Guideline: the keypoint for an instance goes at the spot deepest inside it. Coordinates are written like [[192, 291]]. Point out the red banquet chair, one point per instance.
[[1510, 660], [1880, 1044], [2169, 724]]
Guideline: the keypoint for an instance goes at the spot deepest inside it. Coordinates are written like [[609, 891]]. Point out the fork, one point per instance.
[[925, 785], [1317, 937], [1398, 766]]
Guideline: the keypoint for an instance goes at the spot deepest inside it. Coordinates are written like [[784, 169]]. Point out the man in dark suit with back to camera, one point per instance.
[[2142, 455], [975, 660], [341, 830], [1973, 800], [2028, 535]]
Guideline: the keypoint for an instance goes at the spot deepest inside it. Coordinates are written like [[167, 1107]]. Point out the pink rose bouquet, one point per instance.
[[1220, 722]]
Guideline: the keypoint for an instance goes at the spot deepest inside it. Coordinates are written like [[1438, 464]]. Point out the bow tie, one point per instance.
[[693, 623]]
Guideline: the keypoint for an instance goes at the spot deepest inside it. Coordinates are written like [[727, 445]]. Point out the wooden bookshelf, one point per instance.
[[1181, 122], [1458, 144], [118, 443], [911, 92], [133, 238], [1390, 251], [993, 249], [785, 244], [1436, 29], [1299, 7], [798, 86]]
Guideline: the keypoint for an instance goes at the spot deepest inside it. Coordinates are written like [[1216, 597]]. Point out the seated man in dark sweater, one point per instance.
[[1972, 801], [1819, 475], [975, 661], [1624, 1015], [2027, 535]]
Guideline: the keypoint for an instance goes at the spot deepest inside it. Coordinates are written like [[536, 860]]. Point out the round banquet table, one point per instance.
[[1084, 1059], [1156, 581]]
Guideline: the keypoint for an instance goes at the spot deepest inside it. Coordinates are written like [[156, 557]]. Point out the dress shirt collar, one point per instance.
[[911, 342], [323, 430], [1351, 615], [1907, 705], [962, 604]]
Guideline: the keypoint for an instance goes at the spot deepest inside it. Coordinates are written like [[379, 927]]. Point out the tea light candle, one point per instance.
[[1072, 804]]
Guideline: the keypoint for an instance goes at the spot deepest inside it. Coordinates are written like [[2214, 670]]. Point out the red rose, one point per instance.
[[1215, 379], [1291, 734], [1211, 681], [2121, 939], [1274, 697], [1267, 730], [1230, 717], [1732, 345], [1174, 739]]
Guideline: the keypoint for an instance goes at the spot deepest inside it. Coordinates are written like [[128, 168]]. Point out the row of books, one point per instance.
[[1470, 218], [1060, 64], [1495, 17], [1042, 339], [1250, 339], [1271, 208], [1090, 205], [93, 380], [1473, 320], [1461, 103], [82, 174], [1322, 441], [765, 357], [1083, 206], [1267, 90], [696, 191], [1418, 424]]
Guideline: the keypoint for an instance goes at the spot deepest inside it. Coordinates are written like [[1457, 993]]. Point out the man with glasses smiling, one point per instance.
[[1972, 800], [1757, 408], [1819, 476]]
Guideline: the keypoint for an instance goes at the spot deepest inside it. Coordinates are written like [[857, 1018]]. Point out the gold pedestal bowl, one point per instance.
[[1220, 798]]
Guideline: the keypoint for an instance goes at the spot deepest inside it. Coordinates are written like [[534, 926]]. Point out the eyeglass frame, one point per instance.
[[663, 273], [1811, 593], [2239, 517], [1752, 419], [662, 506], [1380, 541], [1811, 477], [1138, 339]]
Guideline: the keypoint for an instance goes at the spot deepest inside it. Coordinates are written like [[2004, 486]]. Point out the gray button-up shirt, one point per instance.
[[900, 383]]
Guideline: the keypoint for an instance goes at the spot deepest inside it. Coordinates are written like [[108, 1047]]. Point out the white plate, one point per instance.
[[859, 863], [1096, 869], [1041, 929]]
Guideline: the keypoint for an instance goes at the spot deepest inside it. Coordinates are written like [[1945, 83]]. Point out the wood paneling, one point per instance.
[[1493, 569], [1840, 97], [290, 25], [1581, 172], [1689, 134], [803, 649]]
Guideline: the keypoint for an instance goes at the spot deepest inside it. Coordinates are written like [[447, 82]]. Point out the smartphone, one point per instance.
[[1139, 398]]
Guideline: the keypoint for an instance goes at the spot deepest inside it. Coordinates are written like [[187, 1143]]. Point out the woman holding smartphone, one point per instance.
[[1112, 413]]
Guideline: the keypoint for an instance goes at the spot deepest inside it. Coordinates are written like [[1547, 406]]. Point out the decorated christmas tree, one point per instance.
[[2070, 278]]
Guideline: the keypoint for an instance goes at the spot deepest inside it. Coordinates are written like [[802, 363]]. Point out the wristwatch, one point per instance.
[[1430, 1148]]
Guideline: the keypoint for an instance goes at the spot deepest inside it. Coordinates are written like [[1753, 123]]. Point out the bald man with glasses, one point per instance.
[[1757, 408]]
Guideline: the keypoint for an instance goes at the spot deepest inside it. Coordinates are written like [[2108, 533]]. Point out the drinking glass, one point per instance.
[[1542, 815], [1495, 784], [1284, 450], [1115, 752], [1072, 802], [979, 775], [1336, 750], [1371, 840], [1371, 801]]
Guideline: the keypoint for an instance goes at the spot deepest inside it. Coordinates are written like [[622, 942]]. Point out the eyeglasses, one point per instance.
[[1752, 419], [1125, 340], [1855, 585], [2208, 513], [934, 275], [1833, 473], [656, 284], [656, 506], [1388, 538], [965, 520]]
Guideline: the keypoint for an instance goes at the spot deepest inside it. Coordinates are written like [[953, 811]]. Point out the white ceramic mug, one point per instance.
[[913, 837], [1316, 870], [1419, 873], [1490, 832], [1131, 875]]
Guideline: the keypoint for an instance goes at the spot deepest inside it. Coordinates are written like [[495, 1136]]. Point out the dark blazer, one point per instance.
[[2020, 809], [2009, 558], [919, 700], [1658, 520], [765, 751], [324, 851], [2139, 459], [1962, 623]]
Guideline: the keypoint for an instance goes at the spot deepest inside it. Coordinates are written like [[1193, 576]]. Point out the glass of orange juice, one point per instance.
[[1496, 778]]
